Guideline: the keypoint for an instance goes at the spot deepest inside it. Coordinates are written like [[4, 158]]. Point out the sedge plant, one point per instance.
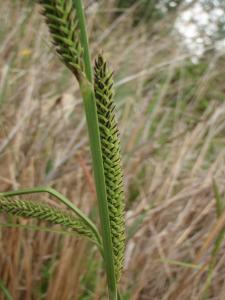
[[67, 26]]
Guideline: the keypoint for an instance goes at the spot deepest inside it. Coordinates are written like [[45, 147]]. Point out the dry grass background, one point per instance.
[[172, 149]]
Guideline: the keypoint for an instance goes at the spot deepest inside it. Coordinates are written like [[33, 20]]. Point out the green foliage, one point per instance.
[[47, 271], [89, 280], [5, 291], [149, 10], [110, 145], [218, 241]]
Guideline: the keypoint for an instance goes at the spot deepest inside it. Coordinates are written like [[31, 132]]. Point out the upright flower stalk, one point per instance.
[[67, 26]]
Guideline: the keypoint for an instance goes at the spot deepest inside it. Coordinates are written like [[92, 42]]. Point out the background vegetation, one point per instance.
[[171, 113]]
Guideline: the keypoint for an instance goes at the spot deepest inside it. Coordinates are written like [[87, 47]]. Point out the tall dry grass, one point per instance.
[[172, 127]]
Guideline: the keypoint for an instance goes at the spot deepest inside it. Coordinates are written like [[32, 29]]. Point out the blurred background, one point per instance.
[[169, 70]]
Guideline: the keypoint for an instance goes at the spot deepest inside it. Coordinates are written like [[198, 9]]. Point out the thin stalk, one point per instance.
[[36, 228], [88, 95], [62, 199], [119, 297], [84, 38], [5, 291]]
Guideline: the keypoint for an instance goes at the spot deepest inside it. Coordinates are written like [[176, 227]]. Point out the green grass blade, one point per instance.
[[218, 241], [36, 228], [219, 203], [5, 291], [180, 264]]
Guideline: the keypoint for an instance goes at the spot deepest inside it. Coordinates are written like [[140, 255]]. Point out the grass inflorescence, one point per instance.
[[44, 212], [67, 26], [171, 112], [64, 28], [110, 145]]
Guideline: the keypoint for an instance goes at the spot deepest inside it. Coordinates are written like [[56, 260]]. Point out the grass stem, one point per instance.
[[87, 91]]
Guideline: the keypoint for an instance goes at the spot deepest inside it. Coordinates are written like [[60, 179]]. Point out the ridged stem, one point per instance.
[[88, 95]]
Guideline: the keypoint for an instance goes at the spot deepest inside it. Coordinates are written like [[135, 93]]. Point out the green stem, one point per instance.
[[36, 228], [88, 95], [119, 295], [5, 291], [84, 38], [62, 199]]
